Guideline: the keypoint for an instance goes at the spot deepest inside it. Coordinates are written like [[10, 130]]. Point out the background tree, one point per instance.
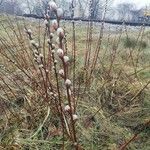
[[136, 14], [1, 1], [11, 7], [124, 11], [95, 9], [82, 7], [40, 7]]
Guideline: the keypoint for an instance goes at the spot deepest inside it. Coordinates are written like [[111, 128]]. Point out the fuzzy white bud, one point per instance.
[[60, 32], [75, 144], [35, 59], [41, 55], [55, 61], [35, 52], [48, 41], [38, 59], [53, 51], [29, 31], [61, 72], [51, 93], [36, 55], [53, 46], [51, 35], [55, 95], [55, 24], [66, 59], [67, 108], [68, 82], [59, 12], [32, 42], [45, 22], [37, 45], [60, 52], [75, 117], [40, 66], [52, 5]]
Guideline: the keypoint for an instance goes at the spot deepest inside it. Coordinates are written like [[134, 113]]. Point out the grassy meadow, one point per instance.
[[109, 67]]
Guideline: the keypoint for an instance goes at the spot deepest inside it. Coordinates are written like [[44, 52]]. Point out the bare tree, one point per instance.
[[136, 14], [124, 11], [1, 2], [95, 9], [72, 7], [29, 6], [40, 8], [82, 7], [11, 7]]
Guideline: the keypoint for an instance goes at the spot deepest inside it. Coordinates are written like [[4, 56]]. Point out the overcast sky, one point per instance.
[[139, 3]]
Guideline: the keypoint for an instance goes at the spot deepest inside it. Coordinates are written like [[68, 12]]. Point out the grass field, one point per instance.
[[110, 98]]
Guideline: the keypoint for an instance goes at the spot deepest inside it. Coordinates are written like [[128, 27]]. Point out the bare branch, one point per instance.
[[1, 2]]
